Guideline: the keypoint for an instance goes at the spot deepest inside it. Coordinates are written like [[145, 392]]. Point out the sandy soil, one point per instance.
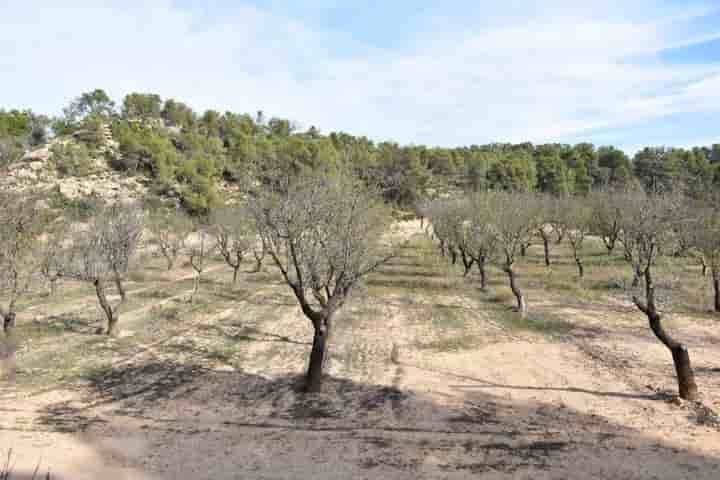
[[594, 402]]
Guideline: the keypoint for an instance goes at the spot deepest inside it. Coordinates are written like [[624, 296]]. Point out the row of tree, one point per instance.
[[323, 233], [497, 227], [186, 151]]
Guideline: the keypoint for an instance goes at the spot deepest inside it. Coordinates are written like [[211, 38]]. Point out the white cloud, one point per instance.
[[541, 76]]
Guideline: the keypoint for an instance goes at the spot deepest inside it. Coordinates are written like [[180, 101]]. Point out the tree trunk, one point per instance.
[[318, 356], [110, 314], [716, 287], [170, 262], [9, 322], [235, 274], [636, 278], [609, 242], [703, 263], [120, 288], [467, 262], [581, 269], [546, 248], [521, 305], [453, 256], [523, 249], [483, 275], [681, 358]]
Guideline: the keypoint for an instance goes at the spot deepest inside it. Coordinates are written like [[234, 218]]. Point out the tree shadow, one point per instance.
[[379, 430], [486, 384]]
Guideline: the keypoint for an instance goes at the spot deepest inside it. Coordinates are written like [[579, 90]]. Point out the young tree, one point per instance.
[[324, 234], [706, 226], [20, 228], [51, 252], [101, 251], [514, 217], [577, 217], [647, 224], [482, 242], [235, 235], [170, 230], [197, 252], [551, 222], [606, 217]]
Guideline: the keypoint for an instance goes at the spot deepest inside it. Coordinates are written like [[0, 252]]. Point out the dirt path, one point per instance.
[[462, 395]]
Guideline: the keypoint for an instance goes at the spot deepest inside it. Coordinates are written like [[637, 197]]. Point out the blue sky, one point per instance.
[[450, 73]]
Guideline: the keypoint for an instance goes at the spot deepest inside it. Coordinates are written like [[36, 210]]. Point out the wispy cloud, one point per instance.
[[462, 75]]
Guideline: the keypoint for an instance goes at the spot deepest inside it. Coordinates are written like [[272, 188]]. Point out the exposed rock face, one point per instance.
[[35, 172]]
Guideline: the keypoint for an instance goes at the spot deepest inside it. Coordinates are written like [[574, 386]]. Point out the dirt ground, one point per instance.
[[428, 378]]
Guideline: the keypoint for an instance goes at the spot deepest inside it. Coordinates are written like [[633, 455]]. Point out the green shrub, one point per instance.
[[72, 159]]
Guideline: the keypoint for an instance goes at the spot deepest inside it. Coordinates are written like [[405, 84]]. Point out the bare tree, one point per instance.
[[170, 230], [647, 225], [235, 235], [198, 251], [706, 241], [514, 218], [259, 251], [102, 251], [20, 228], [51, 251], [551, 221], [607, 215], [483, 241], [577, 217], [324, 234]]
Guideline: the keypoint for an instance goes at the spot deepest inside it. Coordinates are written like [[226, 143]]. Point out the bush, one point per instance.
[[72, 160]]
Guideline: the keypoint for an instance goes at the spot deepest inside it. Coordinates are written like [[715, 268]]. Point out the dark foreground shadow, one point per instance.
[[267, 428]]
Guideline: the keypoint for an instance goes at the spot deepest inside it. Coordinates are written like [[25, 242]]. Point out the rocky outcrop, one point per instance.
[[35, 172]]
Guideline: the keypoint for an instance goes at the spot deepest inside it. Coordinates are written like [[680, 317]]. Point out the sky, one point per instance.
[[451, 73]]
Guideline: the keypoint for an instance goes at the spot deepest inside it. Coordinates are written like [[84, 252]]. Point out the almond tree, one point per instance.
[[170, 230], [235, 235], [647, 225], [551, 223], [102, 250], [706, 227], [198, 252], [324, 234], [20, 228], [514, 217], [577, 217], [51, 252], [482, 241], [606, 217]]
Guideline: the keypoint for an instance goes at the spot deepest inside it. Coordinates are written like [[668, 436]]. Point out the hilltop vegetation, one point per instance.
[[188, 154]]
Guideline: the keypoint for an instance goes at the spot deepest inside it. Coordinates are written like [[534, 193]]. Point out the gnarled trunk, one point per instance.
[[519, 297], [467, 262], [546, 248], [120, 288], [318, 355], [9, 322], [110, 313], [681, 358], [483, 274], [581, 269], [609, 242]]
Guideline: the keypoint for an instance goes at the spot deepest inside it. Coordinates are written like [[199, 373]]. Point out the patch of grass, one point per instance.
[[447, 317], [156, 294], [537, 322]]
